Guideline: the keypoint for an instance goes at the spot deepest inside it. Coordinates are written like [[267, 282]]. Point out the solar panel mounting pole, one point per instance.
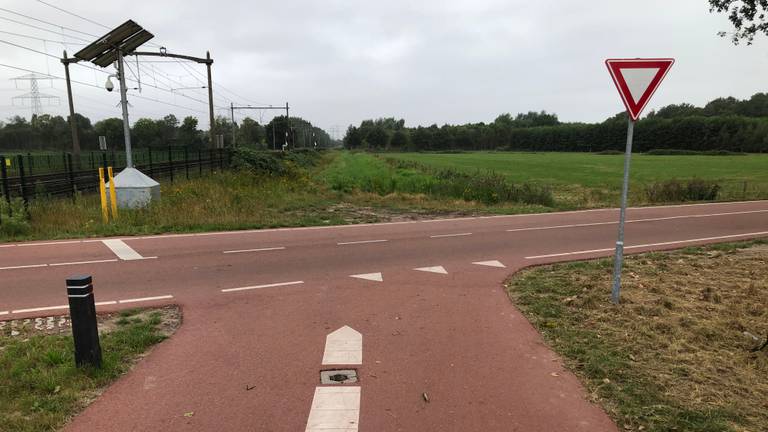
[[124, 103]]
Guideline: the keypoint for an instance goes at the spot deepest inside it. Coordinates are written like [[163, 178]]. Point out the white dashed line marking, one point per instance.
[[492, 263], [436, 269], [450, 235], [334, 409], [279, 284], [122, 250], [24, 266], [83, 262], [376, 277], [254, 250], [106, 303], [145, 299], [361, 242], [636, 221], [762, 233], [4, 312], [41, 309]]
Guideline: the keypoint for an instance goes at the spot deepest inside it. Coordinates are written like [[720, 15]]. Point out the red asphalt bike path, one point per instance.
[[453, 336]]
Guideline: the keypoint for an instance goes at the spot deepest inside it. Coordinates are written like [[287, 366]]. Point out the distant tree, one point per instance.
[[676, 111], [188, 134], [112, 129], [147, 133], [250, 133], [400, 140], [749, 18], [352, 139]]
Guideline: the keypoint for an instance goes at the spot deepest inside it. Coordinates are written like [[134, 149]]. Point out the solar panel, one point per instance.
[[126, 38]]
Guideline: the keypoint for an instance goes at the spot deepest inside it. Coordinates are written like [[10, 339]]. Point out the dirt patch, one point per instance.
[[680, 344]]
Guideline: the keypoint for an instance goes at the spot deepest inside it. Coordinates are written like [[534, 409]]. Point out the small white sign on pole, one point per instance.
[[102, 143]]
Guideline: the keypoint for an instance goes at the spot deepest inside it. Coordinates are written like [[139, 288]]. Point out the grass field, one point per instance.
[[593, 170], [587, 180], [676, 354]]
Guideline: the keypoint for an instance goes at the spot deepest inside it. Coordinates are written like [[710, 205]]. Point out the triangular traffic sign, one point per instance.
[[637, 80]]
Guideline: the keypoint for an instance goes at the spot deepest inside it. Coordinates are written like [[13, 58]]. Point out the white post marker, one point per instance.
[[636, 80]]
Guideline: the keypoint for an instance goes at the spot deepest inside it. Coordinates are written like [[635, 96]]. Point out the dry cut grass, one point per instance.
[[675, 355]]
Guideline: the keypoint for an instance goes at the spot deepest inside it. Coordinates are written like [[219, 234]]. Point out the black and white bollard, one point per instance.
[[82, 310]]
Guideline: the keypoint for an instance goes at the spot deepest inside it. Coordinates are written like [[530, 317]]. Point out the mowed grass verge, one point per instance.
[[588, 180], [40, 387], [675, 355]]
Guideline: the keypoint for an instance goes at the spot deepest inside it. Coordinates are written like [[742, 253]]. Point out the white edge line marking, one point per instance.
[[637, 220], [24, 266], [262, 286], [450, 235], [18, 311], [254, 250], [83, 262], [145, 299], [761, 233], [361, 242]]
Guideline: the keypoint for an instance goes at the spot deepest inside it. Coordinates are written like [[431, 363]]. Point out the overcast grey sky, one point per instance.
[[341, 61]]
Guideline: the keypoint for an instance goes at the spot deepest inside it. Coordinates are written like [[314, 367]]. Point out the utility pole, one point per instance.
[[208, 63], [232, 111], [124, 103], [72, 120]]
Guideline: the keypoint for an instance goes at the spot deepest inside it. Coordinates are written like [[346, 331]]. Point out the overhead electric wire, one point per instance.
[[99, 87], [73, 14], [48, 23], [39, 39], [45, 29]]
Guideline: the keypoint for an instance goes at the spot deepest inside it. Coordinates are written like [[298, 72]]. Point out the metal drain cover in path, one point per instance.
[[338, 376]]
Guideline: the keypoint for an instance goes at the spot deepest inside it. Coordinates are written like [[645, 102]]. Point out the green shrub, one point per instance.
[[678, 152], [677, 191], [274, 163], [14, 219]]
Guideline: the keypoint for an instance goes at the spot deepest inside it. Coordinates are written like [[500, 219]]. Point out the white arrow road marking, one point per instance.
[[436, 269], [343, 347], [376, 277], [493, 263], [122, 250], [337, 408], [334, 409]]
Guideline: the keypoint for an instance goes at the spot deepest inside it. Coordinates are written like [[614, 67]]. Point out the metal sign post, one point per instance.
[[619, 258], [636, 80]]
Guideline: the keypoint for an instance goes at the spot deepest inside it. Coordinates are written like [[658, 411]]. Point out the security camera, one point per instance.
[[108, 85]]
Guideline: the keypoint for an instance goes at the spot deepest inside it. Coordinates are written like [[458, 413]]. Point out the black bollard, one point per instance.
[[82, 311]]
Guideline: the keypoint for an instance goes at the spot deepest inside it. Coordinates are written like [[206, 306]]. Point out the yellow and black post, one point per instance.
[[112, 194], [103, 193]]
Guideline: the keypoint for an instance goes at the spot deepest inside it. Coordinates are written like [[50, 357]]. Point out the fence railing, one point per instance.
[[55, 175]]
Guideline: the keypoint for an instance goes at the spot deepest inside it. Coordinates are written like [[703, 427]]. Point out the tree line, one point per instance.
[[47, 132], [722, 124]]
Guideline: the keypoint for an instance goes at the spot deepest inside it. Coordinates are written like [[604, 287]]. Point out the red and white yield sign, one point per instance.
[[637, 80]]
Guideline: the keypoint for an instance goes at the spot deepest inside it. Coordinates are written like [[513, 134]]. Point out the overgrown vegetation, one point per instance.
[[676, 354], [13, 218], [361, 171], [40, 387], [679, 191]]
